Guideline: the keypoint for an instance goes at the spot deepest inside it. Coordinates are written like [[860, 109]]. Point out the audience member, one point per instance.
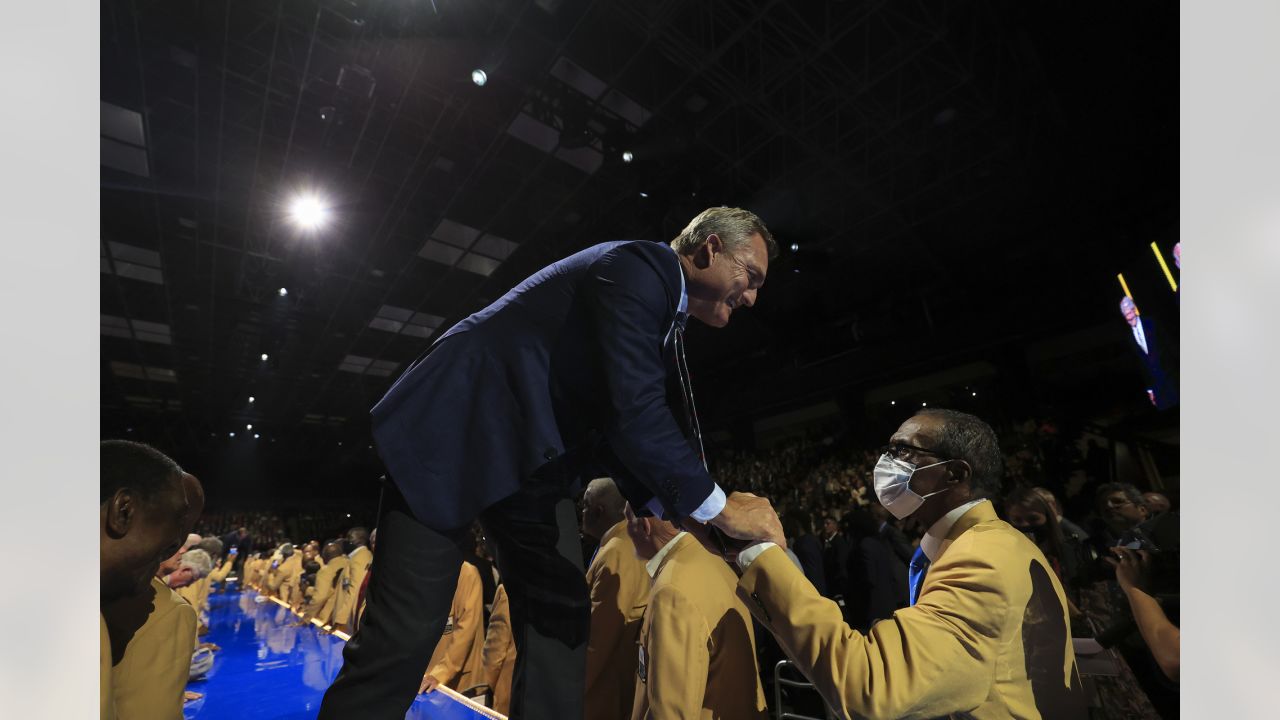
[[154, 660], [360, 559], [988, 634], [1157, 503], [142, 514], [618, 587], [877, 584], [499, 653], [835, 559], [697, 646], [458, 661], [328, 581], [808, 548]]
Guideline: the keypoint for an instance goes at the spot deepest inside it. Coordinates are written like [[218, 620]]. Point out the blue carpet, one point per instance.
[[268, 669]]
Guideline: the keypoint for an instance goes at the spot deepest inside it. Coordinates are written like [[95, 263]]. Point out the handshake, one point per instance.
[[746, 520]]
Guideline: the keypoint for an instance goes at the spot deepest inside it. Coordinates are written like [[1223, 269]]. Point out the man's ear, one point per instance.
[[646, 525], [122, 508], [960, 470], [703, 256]]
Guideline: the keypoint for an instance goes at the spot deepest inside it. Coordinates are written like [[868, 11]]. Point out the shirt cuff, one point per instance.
[[710, 507], [749, 555]]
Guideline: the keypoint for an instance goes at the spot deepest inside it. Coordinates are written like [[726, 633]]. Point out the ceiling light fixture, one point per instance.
[[249, 426], [264, 357], [627, 156], [308, 212], [479, 77], [283, 292], [250, 398]]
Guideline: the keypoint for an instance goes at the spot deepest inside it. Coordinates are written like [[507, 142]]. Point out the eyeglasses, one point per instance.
[[898, 451]]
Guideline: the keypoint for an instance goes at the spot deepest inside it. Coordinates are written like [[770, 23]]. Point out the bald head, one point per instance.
[[358, 537], [1157, 503], [602, 505], [650, 534]]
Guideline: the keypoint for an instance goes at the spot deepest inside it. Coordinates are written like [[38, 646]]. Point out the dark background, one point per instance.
[[963, 181]]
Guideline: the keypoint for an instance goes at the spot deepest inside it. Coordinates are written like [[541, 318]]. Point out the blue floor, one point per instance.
[[269, 669]]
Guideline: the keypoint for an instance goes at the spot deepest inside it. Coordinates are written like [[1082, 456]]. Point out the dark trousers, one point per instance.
[[411, 587]]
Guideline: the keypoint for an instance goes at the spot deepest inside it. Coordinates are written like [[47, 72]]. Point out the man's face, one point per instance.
[[1130, 314], [181, 577], [156, 531], [829, 527], [1120, 513], [919, 435], [722, 282]]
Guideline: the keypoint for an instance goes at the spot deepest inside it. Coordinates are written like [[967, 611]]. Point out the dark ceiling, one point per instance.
[[952, 172]]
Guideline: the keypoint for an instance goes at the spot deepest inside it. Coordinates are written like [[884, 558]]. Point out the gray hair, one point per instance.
[[734, 226], [211, 545], [966, 437], [1126, 303], [604, 492], [198, 560]]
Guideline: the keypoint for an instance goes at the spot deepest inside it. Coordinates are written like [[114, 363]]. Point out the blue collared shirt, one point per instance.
[[714, 503]]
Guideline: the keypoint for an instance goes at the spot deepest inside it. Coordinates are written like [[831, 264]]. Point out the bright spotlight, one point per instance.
[[795, 247], [973, 394], [250, 398], [282, 292], [255, 436], [308, 212], [627, 156], [249, 426], [264, 357], [924, 404], [232, 434], [893, 402], [644, 194], [479, 77]]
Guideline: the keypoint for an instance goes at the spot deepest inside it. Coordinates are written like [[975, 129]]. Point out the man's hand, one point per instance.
[[1132, 568], [751, 518], [428, 684]]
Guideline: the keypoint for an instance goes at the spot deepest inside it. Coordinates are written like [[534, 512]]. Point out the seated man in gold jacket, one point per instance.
[[458, 660], [697, 655], [987, 635], [619, 589], [323, 600]]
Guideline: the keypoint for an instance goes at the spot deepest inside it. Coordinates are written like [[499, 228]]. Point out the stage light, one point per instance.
[[893, 402], [627, 156], [973, 394], [255, 436], [924, 404], [264, 357], [348, 514], [250, 398], [249, 426], [282, 292], [644, 194], [479, 77], [232, 434], [308, 212], [795, 247]]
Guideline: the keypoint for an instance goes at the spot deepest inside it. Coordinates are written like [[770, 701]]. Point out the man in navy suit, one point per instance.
[[1159, 358], [567, 374]]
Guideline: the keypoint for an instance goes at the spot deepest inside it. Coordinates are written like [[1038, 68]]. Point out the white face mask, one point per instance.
[[892, 480]]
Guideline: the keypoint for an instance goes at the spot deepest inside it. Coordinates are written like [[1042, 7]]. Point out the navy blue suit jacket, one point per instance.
[[569, 366]]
